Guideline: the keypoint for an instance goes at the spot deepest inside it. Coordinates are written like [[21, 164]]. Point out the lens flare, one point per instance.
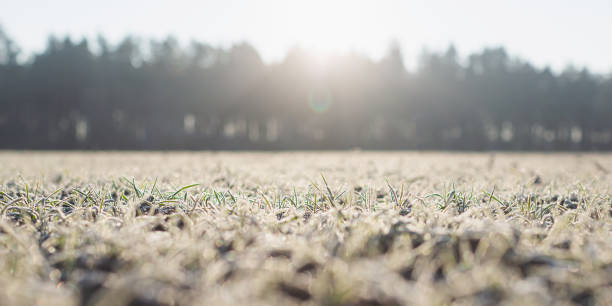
[[320, 103]]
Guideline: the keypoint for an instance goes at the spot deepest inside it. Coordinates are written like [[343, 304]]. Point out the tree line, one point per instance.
[[139, 94]]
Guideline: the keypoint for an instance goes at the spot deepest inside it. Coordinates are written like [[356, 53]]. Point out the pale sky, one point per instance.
[[545, 32]]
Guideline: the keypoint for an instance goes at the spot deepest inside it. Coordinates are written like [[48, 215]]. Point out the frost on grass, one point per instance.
[[305, 228]]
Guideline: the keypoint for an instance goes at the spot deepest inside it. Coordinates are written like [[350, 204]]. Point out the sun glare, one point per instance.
[[325, 27]]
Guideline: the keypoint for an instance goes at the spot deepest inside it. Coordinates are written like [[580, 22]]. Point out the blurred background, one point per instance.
[[286, 75]]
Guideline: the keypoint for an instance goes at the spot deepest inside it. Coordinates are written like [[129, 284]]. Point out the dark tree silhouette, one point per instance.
[[161, 95]]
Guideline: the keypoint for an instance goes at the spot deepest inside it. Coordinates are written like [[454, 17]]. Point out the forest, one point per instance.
[[141, 94]]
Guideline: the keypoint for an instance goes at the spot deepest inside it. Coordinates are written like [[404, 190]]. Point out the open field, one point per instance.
[[338, 228]]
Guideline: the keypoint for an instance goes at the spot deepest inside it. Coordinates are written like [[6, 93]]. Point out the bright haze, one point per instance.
[[547, 33], [306, 75]]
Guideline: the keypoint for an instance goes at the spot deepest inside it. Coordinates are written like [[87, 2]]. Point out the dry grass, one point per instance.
[[348, 228]]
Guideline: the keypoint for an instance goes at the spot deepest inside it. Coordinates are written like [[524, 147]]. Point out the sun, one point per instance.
[[325, 27]]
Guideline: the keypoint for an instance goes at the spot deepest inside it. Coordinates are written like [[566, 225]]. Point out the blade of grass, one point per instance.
[[182, 189]]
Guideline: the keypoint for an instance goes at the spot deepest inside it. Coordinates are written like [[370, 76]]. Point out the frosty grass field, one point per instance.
[[336, 228]]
